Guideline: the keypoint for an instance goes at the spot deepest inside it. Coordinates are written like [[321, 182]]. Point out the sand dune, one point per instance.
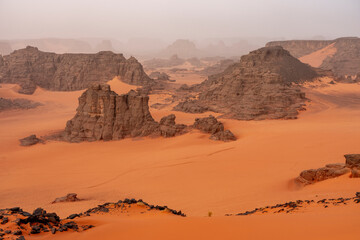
[[189, 173], [316, 58]]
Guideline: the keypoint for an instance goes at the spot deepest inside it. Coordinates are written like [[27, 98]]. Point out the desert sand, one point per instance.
[[316, 58], [189, 173]]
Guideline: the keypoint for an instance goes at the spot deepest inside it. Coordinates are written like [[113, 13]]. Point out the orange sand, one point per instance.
[[315, 59], [190, 172]]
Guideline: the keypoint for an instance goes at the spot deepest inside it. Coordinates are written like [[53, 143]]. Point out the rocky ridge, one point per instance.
[[261, 86], [30, 68]]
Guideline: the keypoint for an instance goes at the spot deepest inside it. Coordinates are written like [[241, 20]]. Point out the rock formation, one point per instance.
[[71, 197], [183, 48], [30, 140], [260, 86], [104, 115], [17, 103], [352, 164], [168, 127], [300, 48], [30, 68], [345, 61], [212, 126]]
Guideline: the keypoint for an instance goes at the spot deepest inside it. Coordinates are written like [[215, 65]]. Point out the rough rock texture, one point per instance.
[[71, 197], [104, 115], [168, 127], [352, 164], [30, 140], [260, 86], [321, 174], [352, 160], [299, 48], [17, 103], [345, 61], [214, 127], [30, 68]]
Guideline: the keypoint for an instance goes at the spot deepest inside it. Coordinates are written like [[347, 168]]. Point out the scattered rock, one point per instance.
[[30, 140], [71, 197], [104, 115], [169, 128], [214, 127], [331, 171]]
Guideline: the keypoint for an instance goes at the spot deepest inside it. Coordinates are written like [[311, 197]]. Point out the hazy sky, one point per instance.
[[171, 19]]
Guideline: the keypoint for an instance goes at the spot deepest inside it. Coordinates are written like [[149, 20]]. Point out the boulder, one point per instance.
[[71, 197], [30, 140], [168, 127], [17, 103], [104, 115], [212, 126]]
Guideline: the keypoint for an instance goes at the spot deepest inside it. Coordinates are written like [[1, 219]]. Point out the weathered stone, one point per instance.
[[168, 127], [355, 173], [212, 126], [104, 115], [316, 175], [352, 160], [30, 140], [30, 68], [71, 197], [260, 86]]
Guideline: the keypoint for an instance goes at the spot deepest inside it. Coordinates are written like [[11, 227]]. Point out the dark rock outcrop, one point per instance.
[[352, 160], [174, 60], [352, 165], [104, 115], [71, 197], [316, 175], [30, 68], [30, 140], [299, 48], [168, 127], [260, 86], [17, 103], [212, 126]]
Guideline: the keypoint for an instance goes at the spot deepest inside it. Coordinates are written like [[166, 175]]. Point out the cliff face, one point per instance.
[[104, 115], [299, 48], [30, 67], [260, 86], [345, 61]]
